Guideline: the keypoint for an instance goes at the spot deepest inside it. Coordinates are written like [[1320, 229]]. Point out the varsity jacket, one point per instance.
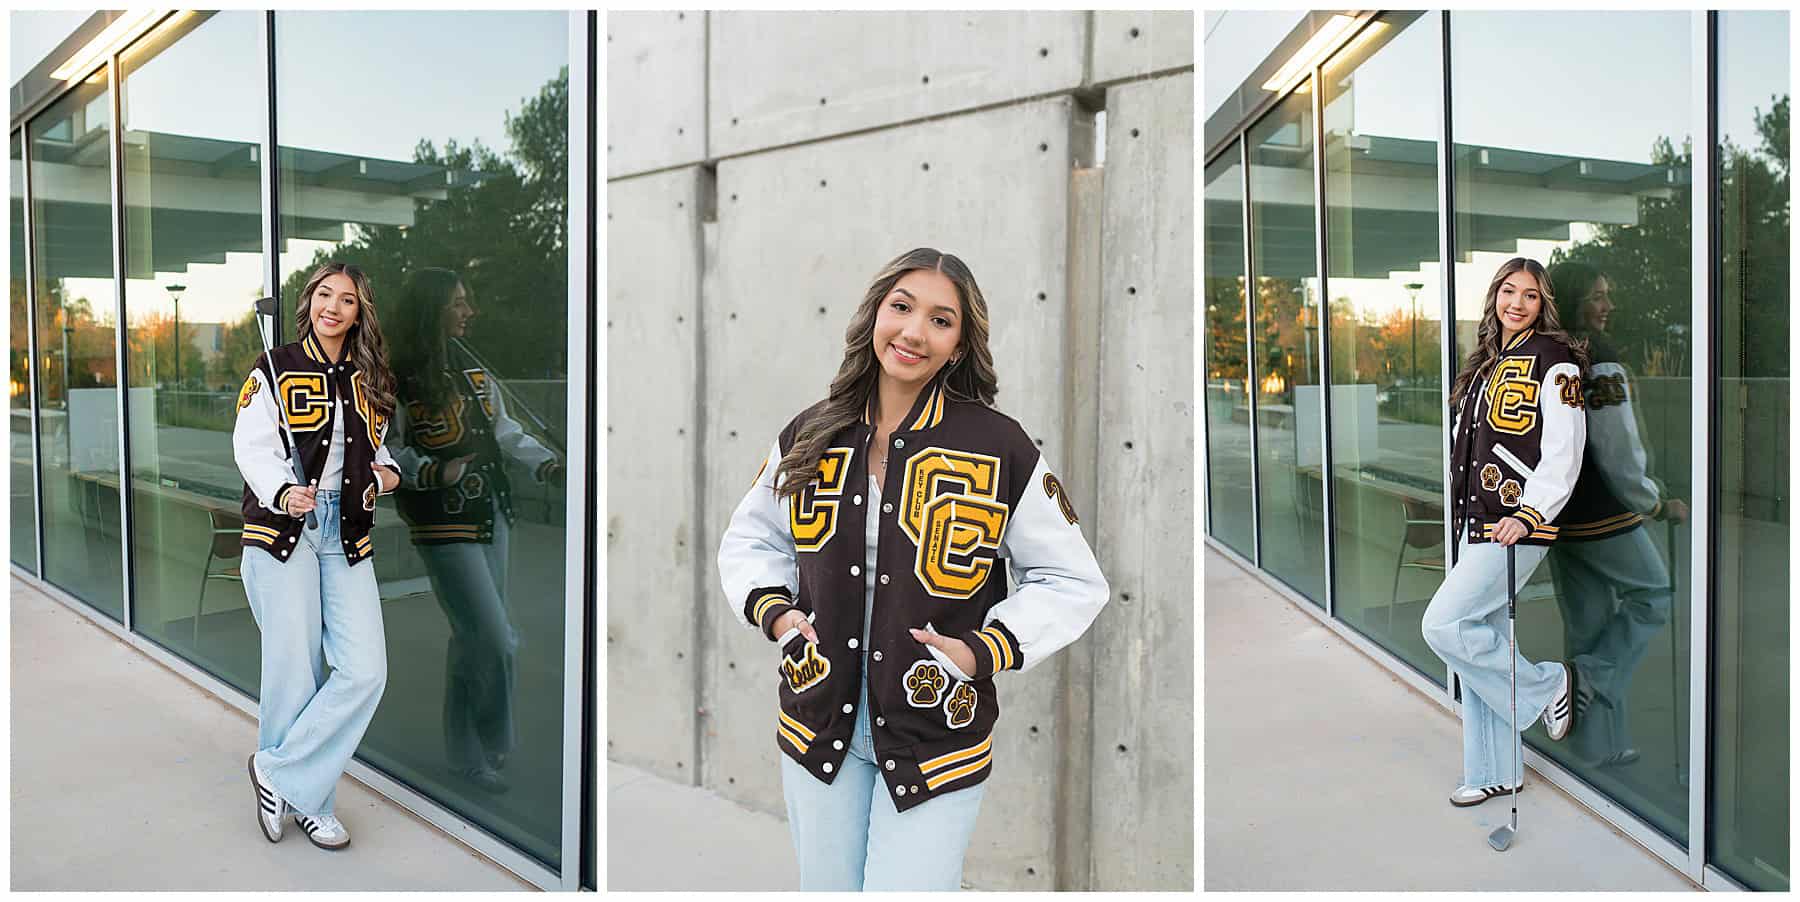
[[474, 421], [316, 391], [1517, 441], [964, 495], [1615, 492]]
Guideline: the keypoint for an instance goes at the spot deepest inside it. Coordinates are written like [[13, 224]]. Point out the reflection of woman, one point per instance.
[[311, 585], [1516, 450], [1610, 578], [871, 547], [456, 438]]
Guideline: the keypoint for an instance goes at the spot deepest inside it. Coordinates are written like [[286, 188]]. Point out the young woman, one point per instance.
[[1611, 580], [873, 549], [1516, 450], [455, 439], [311, 584]]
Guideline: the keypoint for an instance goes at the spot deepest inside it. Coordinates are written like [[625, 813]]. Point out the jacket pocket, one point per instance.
[[1512, 460]]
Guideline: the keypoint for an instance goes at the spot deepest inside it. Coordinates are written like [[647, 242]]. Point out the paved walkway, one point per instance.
[[724, 846], [1324, 772], [126, 776]]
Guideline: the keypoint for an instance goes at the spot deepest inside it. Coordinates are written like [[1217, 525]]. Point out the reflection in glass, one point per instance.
[[1749, 814], [78, 394], [24, 504], [193, 257], [1286, 335], [1387, 378], [469, 176], [1227, 368], [1592, 184]]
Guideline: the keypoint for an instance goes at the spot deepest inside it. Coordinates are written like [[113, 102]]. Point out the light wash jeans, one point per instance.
[[314, 610], [1615, 599], [849, 836], [469, 580], [1465, 624]]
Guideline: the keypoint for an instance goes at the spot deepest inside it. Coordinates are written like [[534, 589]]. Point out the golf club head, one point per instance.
[[266, 306], [1502, 837]]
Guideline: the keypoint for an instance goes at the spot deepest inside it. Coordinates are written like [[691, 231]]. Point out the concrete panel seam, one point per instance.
[[1144, 76], [904, 123], [705, 200], [1087, 54]]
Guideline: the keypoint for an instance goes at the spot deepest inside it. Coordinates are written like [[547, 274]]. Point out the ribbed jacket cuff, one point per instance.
[[281, 496], [765, 605], [995, 650]]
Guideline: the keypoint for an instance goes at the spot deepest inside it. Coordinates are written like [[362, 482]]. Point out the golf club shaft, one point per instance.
[[1512, 645], [281, 412]]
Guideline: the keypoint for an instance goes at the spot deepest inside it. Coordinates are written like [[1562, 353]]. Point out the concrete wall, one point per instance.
[[731, 284]]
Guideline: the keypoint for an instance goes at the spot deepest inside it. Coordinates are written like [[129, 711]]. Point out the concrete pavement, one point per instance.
[[662, 835], [1324, 772], [126, 776]]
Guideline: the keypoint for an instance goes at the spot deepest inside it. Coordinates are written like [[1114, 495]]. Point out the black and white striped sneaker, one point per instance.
[[270, 807], [325, 831], [1464, 796], [1560, 715]]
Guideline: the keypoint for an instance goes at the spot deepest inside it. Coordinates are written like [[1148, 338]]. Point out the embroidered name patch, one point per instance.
[[959, 708], [809, 671], [925, 683]]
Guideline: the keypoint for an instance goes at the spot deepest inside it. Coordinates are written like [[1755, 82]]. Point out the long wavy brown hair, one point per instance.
[[970, 378], [366, 348], [1487, 334]]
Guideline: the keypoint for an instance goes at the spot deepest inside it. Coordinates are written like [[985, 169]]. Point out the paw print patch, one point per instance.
[[925, 683]]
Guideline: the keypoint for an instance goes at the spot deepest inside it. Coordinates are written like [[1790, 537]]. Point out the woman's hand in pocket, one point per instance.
[[955, 649], [796, 618]]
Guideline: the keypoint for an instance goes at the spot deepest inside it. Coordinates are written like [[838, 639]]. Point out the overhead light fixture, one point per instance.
[[1316, 47], [122, 31], [1361, 40]]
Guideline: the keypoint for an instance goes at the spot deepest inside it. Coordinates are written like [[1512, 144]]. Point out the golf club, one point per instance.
[[268, 307], [1502, 837]]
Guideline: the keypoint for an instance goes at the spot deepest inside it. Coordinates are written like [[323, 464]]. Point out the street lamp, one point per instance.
[[1412, 289], [175, 291]]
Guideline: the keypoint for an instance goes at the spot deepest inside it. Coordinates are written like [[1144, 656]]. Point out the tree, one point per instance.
[[503, 232]]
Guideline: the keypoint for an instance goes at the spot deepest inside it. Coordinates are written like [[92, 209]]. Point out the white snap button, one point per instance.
[[887, 508], [849, 707], [915, 790], [828, 767], [890, 764], [899, 790], [881, 721], [884, 579], [878, 656], [852, 641], [855, 570], [837, 744], [899, 443], [856, 500]]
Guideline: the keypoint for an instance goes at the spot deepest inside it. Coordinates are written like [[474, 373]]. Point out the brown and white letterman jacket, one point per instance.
[[317, 393], [1517, 442], [965, 494], [1615, 492]]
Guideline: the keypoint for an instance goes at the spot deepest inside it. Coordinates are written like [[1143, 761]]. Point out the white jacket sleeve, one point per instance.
[[1059, 588], [515, 443], [1613, 435], [758, 564], [256, 440], [1562, 434]]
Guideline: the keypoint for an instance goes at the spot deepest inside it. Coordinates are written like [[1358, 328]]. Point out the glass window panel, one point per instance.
[[1597, 188], [78, 394], [193, 264], [467, 176], [1381, 214], [1227, 368], [1748, 815], [24, 474], [1283, 257]]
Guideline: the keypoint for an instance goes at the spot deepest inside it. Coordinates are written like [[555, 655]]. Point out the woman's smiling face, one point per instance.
[[919, 326], [334, 306], [1518, 302]]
